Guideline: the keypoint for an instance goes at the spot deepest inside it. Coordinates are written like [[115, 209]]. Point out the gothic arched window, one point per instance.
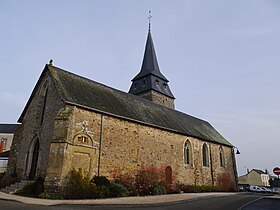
[[205, 155], [221, 156], [187, 153], [44, 94]]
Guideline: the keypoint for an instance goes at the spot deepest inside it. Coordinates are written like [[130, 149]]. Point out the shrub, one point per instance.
[[101, 192], [8, 179], [148, 178], [39, 186], [33, 189], [105, 188], [1, 176], [100, 181], [206, 188], [128, 181], [157, 190], [117, 190], [147, 181], [197, 189], [186, 188], [78, 185], [224, 182]]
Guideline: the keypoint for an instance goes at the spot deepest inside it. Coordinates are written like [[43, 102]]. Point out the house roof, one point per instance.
[[8, 128], [5, 154], [85, 93], [258, 171]]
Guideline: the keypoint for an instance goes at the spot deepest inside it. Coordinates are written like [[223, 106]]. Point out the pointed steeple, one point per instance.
[[150, 83], [150, 63]]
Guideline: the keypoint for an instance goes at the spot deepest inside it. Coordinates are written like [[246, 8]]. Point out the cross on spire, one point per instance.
[[150, 17]]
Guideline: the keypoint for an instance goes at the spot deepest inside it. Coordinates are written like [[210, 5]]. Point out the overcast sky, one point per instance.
[[221, 57]]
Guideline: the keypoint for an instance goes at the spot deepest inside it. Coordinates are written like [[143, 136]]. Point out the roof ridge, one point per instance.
[[258, 170]]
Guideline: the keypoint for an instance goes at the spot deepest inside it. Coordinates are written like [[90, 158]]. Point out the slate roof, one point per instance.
[[150, 63], [259, 171], [8, 128], [82, 92], [5, 154]]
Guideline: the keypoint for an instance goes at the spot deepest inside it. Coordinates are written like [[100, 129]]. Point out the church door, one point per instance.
[[168, 178], [34, 162]]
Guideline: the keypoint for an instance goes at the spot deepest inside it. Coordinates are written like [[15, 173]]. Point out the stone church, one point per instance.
[[73, 122]]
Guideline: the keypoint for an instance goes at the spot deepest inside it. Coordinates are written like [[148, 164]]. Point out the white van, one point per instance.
[[255, 189]]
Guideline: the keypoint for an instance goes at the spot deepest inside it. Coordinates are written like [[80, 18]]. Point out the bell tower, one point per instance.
[[150, 83]]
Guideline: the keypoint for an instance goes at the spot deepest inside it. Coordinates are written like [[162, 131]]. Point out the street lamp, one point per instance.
[[237, 151]]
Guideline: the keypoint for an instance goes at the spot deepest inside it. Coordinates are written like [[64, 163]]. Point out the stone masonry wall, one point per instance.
[[68, 146], [126, 147], [158, 98], [31, 129]]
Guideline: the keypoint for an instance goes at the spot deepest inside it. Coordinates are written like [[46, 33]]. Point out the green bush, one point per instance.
[[39, 186], [33, 189], [106, 189], [8, 179], [206, 188], [78, 185], [197, 189], [128, 181], [1, 176], [100, 181], [101, 192], [157, 190], [117, 190], [148, 178], [147, 181], [186, 188]]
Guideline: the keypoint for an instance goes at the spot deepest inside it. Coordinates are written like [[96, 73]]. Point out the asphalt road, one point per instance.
[[219, 203], [266, 203]]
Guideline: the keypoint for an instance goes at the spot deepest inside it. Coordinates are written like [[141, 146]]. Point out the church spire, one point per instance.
[[150, 81], [150, 18], [150, 63]]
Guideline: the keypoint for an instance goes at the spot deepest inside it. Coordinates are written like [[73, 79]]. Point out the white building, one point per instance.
[[255, 177], [4, 157], [6, 138]]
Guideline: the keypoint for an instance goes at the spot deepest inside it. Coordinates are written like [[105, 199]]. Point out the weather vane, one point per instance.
[[150, 17]]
